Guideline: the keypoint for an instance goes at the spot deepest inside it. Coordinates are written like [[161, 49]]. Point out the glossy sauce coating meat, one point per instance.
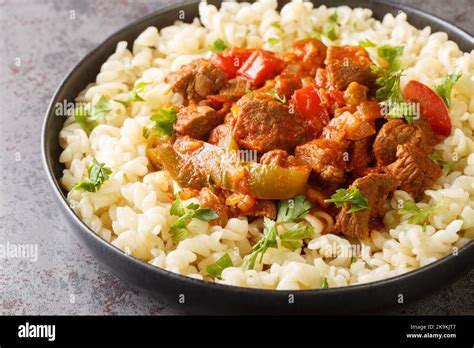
[[376, 188], [264, 124], [197, 121], [414, 170], [346, 64], [197, 79], [326, 158], [398, 132]]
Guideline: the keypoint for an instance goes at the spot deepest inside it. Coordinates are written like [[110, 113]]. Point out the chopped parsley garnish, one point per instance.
[[288, 211], [273, 41], [292, 237], [98, 173], [81, 115], [329, 29], [123, 102], [269, 240], [216, 268], [291, 209], [178, 229], [334, 17], [351, 196], [418, 216], [146, 132], [367, 43], [392, 55], [277, 25], [88, 116], [164, 119], [353, 259], [135, 94], [391, 94], [445, 87], [275, 95], [218, 46], [138, 89], [324, 283], [446, 165]]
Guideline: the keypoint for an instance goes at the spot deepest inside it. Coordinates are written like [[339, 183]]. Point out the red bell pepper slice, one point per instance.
[[225, 63], [261, 66], [231, 60], [431, 105], [310, 106]]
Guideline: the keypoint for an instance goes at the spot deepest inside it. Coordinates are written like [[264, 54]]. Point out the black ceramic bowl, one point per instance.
[[208, 298]]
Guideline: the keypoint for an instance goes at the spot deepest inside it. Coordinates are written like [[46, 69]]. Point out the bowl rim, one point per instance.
[[139, 264]]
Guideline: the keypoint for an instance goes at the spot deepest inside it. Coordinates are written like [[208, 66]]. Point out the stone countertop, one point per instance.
[[39, 44]]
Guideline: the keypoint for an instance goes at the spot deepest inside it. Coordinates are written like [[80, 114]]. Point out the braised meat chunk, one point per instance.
[[197, 79], [235, 88], [264, 124], [346, 64], [360, 154], [221, 135], [197, 121], [375, 188], [209, 199], [398, 132], [326, 157], [414, 170]]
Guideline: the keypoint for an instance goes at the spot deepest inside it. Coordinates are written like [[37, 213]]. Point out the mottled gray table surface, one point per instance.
[[39, 44]]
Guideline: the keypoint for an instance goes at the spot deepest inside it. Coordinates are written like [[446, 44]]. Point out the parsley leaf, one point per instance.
[[269, 240], [288, 211], [418, 215], [329, 29], [218, 46], [204, 214], [277, 25], [353, 259], [275, 95], [101, 108], [291, 209], [447, 165], [367, 43], [138, 89], [324, 283], [445, 87], [87, 116], [146, 132], [392, 55], [273, 41], [178, 229], [134, 94], [352, 196], [164, 119], [123, 102], [292, 237], [98, 173], [391, 93], [177, 208], [81, 116], [216, 268], [315, 35]]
